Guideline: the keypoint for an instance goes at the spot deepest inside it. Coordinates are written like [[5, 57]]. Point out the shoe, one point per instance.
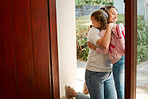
[[69, 92]]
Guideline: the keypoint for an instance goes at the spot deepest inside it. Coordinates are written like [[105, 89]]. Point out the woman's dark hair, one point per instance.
[[101, 16], [107, 8]]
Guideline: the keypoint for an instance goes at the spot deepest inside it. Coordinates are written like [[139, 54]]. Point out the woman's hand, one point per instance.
[[90, 45]]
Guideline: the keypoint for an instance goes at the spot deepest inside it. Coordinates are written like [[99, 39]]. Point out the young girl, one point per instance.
[[98, 75]]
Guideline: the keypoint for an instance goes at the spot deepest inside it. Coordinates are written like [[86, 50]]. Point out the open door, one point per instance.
[[28, 50]]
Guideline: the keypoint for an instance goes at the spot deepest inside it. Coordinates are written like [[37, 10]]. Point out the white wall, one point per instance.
[[66, 43]]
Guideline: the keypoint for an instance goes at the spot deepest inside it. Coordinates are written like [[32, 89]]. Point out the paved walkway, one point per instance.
[[142, 75], [142, 79]]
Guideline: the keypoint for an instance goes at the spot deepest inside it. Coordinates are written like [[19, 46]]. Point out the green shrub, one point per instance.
[[92, 2], [82, 26], [142, 41], [81, 37], [107, 3], [121, 19]]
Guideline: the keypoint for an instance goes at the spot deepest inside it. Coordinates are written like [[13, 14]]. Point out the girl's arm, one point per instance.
[[105, 41]]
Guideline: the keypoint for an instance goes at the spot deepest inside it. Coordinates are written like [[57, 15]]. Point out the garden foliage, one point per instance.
[[82, 26], [93, 2], [142, 39]]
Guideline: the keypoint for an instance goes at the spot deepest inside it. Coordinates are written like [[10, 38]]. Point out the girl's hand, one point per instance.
[[85, 90], [111, 25]]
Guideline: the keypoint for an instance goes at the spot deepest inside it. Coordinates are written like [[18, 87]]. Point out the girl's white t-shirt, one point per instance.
[[97, 62]]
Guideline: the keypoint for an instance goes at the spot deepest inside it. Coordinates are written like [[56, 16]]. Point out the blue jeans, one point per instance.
[[118, 74], [100, 85], [82, 96]]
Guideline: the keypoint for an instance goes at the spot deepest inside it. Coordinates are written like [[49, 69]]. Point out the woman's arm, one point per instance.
[[105, 41], [97, 49], [91, 46]]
